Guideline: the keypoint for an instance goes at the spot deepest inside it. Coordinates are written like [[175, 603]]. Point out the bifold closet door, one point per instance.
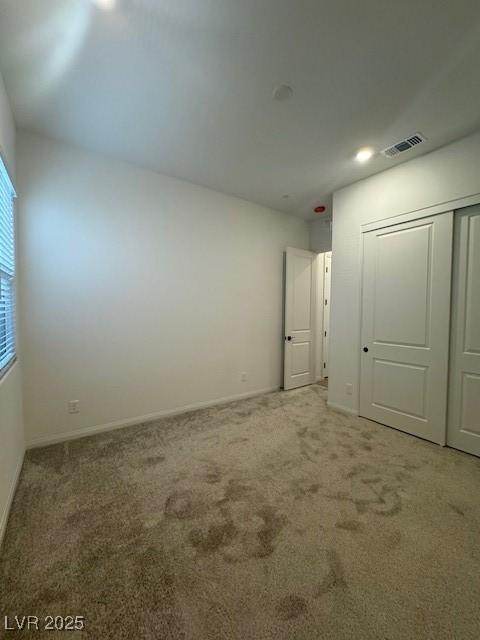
[[464, 395], [406, 325]]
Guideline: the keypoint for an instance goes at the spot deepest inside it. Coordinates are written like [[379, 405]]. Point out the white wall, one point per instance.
[[321, 234], [439, 177], [140, 293], [11, 421]]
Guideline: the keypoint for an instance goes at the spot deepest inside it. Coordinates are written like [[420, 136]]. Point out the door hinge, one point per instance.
[[326, 302], [325, 334], [324, 365], [326, 269]]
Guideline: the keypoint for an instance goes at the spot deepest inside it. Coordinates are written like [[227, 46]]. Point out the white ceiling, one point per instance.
[[185, 86]]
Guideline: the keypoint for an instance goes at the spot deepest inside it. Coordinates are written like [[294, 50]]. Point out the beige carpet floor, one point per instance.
[[270, 518]]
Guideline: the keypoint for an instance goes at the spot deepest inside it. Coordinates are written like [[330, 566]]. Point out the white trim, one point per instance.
[[129, 422], [425, 212], [11, 494], [339, 407]]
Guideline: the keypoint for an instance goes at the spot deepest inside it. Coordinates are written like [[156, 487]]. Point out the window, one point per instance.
[[7, 270]]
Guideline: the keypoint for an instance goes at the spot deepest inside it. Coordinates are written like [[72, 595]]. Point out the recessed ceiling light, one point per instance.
[[282, 92], [105, 5], [364, 155]]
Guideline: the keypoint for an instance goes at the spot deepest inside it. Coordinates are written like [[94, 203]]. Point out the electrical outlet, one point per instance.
[[349, 389], [72, 406], [243, 376]]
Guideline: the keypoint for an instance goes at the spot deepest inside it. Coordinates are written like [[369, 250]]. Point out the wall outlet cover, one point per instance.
[[72, 406]]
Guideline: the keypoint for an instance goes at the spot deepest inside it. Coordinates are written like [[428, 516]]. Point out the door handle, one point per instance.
[[365, 349], [288, 338]]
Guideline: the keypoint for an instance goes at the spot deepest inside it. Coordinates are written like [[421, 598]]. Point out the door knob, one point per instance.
[[365, 349], [288, 338]]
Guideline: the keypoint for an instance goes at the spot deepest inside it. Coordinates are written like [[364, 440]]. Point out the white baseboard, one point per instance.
[[339, 407], [129, 422], [11, 493]]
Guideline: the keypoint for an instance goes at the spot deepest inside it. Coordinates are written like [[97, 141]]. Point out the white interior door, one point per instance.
[[320, 262], [326, 310], [405, 326], [464, 394], [300, 312]]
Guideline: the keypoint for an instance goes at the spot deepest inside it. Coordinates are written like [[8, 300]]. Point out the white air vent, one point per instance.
[[404, 145]]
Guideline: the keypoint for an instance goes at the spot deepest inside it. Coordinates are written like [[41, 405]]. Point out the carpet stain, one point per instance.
[[213, 476], [388, 503], [247, 520], [273, 524], [216, 536], [457, 509], [349, 525], [291, 606], [181, 505], [393, 539], [302, 488], [235, 491], [152, 461], [366, 435], [238, 441], [335, 576]]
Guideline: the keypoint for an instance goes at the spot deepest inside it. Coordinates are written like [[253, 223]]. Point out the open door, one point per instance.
[[327, 275], [300, 312], [405, 326]]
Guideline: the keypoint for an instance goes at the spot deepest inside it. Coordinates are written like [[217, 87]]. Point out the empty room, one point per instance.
[[240, 319]]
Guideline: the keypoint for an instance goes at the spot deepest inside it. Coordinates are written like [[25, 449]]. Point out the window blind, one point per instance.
[[7, 269]]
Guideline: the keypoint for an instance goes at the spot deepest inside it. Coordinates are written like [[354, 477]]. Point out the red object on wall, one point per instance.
[[320, 209]]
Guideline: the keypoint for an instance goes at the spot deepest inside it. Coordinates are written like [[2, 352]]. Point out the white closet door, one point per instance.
[[464, 398], [406, 326]]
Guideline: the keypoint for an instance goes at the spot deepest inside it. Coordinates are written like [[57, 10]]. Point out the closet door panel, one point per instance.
[[406, 325], [464, 394]]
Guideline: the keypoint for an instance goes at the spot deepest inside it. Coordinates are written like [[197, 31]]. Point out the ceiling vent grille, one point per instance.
[[404, 145]]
